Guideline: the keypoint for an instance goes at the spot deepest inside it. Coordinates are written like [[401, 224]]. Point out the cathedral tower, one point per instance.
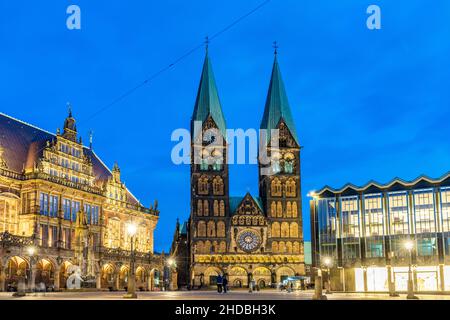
[[279, 180], [209, 170]]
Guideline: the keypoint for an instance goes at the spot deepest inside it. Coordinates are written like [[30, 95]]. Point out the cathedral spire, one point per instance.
[[277, 105], [207, 103]]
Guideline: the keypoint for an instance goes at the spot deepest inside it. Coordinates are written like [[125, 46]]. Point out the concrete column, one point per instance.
[[2, 278], [365, 278], [441, 278], [98, 280], [57, 280], [342, 278]]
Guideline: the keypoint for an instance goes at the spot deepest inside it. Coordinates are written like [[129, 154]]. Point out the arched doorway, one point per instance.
[[283, 273], [238, 276], [64, 274], [210, 276], [262, 276], [141, 279], [44, 273], [237, 283], [107, 276], [155, 283], [17, 270], [123, 277]]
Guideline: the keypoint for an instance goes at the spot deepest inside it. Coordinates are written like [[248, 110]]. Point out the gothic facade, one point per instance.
[[58, 197], [248, 237]]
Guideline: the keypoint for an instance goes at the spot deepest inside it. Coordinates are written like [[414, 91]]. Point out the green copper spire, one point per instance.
[[277, 105], [208, 102]]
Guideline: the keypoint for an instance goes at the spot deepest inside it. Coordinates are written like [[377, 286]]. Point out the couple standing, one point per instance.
[[222, 283]]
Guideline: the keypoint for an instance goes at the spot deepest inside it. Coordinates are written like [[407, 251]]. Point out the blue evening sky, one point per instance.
[[367, 104]]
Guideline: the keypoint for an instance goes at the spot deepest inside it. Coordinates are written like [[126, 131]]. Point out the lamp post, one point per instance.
[[171, 265], [328, 262], [409, 245], [131, 285], [31, 250]]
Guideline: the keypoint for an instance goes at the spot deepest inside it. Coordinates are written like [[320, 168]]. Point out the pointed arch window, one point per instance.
[[275, 187], [275, 230], [201, 229], [203, 186], [273, 209], [285, 230], [222, 208], [274, 247], [279, 209], [218, 186], [199, 208], [294, 210], [211, 229], [205, 208], [293, 230], [216, 208], [290, 188], [221, 229], [288, 209]]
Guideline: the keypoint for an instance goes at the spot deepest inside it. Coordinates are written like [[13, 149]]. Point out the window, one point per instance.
[[374, 247], [398, 213], [203, 185], [350, 217], [204, 165], [275, 187], [95, 214], [276, 230], [290, 188], [216, 208], [222, 208], [67, 204], [88, 212], [218, 186], [53, 206], [201, 229], [211, 229], [44, 235], [276, 166], [200, 208], [217, 165], [445, 209], [424, 211], [293, 230], [373, 215], [221, 229], [75, 209], [43, 200], [289, 166]]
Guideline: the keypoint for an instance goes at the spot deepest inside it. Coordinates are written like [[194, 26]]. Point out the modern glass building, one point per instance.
[[363, 231]]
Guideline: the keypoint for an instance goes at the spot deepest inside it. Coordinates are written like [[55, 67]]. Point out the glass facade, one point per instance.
[[365, 232]]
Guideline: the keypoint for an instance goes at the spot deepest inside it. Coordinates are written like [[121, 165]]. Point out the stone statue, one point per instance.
[[74, 281]]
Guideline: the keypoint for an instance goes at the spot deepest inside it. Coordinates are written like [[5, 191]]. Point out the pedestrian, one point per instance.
[[224, 284], [219, 283]]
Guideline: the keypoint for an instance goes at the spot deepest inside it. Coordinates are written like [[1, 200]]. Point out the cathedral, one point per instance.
[[246, 238]]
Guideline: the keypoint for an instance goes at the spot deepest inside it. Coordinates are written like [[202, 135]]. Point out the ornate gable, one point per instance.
[[248, 213]]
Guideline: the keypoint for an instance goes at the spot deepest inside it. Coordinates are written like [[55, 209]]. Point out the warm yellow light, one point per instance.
[[409, 245], [312, 194], [31, 250], [131, 229], [327, 261], [171, 261]]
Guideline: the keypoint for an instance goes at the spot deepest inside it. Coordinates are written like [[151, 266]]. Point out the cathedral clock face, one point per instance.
[[249, 240]]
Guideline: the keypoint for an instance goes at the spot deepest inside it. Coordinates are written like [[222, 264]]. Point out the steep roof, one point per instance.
[[237, 200], [277, 105], [23, 145], [208, 102]]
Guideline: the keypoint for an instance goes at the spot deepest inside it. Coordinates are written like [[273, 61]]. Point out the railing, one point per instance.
[[9, 240], [11, 174], [126, 254], [64, 182]]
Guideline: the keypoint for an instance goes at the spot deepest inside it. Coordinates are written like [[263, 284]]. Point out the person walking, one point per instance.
[[224, 284], [219, 283]]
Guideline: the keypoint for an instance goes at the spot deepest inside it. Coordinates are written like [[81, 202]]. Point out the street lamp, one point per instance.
[[328, 262], [131, 285], [409, 246], [31, 250]]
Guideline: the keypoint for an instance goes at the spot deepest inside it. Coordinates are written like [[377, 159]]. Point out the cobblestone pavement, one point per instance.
[[211, 295]]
